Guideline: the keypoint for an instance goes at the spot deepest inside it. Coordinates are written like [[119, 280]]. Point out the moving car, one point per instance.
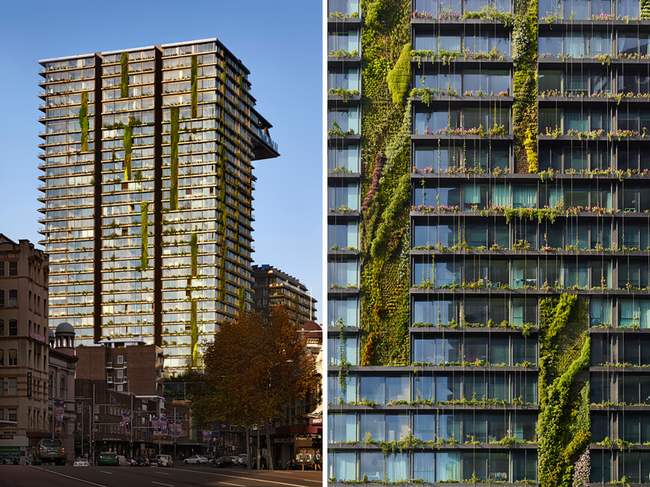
[[50, 450], [81, 462], [221, 462], [108, 458], [165, 460], [195, 459]]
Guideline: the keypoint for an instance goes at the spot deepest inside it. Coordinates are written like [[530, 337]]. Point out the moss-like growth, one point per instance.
[[563, 426], [221, 224], [124, 81], [195, 84], [645, 9], [194, 333], [195, 254], [128, 142], [384, 224], [83, 121], [242, 300], [524, 109], [144, 235], [399, 78], [173, 184]]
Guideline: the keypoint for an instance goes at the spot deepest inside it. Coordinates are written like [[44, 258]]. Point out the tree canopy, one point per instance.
[[253, 370]]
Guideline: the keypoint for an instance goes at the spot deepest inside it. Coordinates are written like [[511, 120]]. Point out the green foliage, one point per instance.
[[194, 254], [128, 142], [645, 9], [124, 80], [144, 235], [563, 425], [83, 121], [194, 83], [491, 13], [194, 333], [173, 186], [384, 281], [399, 78]]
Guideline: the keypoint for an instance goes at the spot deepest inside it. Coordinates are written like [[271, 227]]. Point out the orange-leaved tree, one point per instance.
[[252, 371]]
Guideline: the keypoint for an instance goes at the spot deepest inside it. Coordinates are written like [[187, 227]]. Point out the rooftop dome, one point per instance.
[[64, 329]]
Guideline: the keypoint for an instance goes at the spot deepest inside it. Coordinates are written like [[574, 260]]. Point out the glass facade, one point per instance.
[[457, 394], [148, 193]]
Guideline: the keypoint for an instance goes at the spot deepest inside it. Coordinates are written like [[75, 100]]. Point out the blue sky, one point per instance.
[[279, 42]]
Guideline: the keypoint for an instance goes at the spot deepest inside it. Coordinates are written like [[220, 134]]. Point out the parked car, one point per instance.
[[81, 462], [165, 460], [50, 450], [195, 459], [108, 458], [243, 459], [153, 462], [221, 462]]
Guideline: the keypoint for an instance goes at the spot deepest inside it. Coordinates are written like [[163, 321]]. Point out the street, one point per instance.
[[178, 476]]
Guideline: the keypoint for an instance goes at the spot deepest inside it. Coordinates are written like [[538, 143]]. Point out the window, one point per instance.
[[13, 415], [2, 328], [2, 387], [63, 388], [13, 328], [13, 298], [2, 298], [13, 386], [2, 269], [13, 356], [2, 357], [345, 309], [13, 268], [343, 158], [120, 359], [343, 236]]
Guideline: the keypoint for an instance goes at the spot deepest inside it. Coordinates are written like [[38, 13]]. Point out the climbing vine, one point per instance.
[[384, 221], [124, 80], [221, 223], [144, 235], [173, 185], [194, 332], [645, 9], [195, 254], [83, 121], [524, 108], [564, 423], [128, 141], [194, 83]]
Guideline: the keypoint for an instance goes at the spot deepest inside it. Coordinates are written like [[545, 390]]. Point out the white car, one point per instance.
[[195, 459], [243, 459], [165, 460], [81, 462]]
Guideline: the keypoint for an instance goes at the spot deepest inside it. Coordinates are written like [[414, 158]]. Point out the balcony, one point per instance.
[[109, 365]]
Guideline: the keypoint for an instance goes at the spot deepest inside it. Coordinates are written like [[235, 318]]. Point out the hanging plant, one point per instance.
[[194, 83], [83, 121], [173, 186], [124, 80], [144, 235]]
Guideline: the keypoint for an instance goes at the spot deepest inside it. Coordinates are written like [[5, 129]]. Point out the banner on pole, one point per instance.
[[59, 408]]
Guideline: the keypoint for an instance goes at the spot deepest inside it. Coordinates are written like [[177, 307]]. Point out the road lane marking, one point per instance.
[[226, 483], [161, 473], [70, 477], [104, 471], [249, 478], [160, 483]]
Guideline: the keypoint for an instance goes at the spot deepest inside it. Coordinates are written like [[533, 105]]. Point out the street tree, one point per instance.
[[253, 370]]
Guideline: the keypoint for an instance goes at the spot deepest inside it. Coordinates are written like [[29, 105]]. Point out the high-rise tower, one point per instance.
[[488, 240], [147, 191]]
